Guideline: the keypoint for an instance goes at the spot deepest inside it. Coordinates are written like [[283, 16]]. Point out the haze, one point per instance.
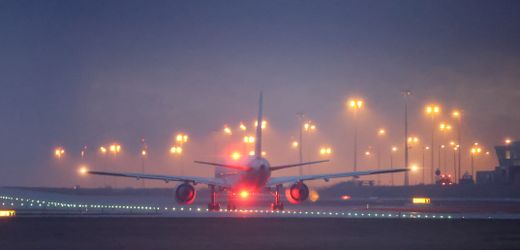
[[78, 73]]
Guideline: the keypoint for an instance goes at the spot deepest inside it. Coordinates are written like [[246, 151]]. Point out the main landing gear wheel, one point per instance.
[[231, 206], [278, 204], [213, 205]]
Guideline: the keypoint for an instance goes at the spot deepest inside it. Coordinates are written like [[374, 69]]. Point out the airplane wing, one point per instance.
[[166, 178], [274, 168], [244, 168], [273, 181]]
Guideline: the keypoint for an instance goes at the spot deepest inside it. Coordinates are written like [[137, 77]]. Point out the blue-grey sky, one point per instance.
[[77, 73]]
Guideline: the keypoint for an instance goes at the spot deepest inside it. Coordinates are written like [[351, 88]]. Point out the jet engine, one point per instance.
[[185, 193], [297, 193]]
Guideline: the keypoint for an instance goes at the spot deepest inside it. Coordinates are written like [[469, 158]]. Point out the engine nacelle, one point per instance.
[[185, 193], [297, 193]]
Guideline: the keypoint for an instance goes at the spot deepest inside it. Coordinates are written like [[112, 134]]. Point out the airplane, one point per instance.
[[252, 177]]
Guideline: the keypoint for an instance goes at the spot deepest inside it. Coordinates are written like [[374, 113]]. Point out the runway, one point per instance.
[[47, 220], [256, 233], [34, 204]]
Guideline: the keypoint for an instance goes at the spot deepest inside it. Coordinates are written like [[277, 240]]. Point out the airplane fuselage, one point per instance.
[[256, 177]]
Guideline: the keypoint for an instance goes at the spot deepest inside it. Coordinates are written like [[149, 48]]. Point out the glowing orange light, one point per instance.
[[59, 152], [455, 113], [507, 141], [264, 124], [243, 127], [356, 103], [345, 197], [236, 156], [227, 130], [294, 144], [249, 139], [325, 151], [181, 138], [432, 109], [314, 196], [115, 148], [176, 150], [83, 170], [413, 139], [381, 132]]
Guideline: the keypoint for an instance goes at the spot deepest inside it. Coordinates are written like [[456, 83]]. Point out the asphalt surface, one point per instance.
[[256, 233]]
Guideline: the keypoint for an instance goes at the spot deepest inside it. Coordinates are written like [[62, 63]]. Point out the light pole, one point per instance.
[[181, 139], [432, 110], [380, 133], [84, 154], [474, 152], [457, 114], [300, 141], [410, 142], [304, 127], [424, 163], [115, 149], [103, 151], [406, 94], [394, 149], [59, 152], [444, 128], [144, 155], [455, 151], [441, 147], [355, 105], [177, 151]]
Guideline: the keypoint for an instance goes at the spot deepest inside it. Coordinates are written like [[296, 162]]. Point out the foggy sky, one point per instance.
[[77, 73]]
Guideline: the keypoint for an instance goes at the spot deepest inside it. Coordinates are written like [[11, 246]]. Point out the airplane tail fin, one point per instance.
[[258, 139]]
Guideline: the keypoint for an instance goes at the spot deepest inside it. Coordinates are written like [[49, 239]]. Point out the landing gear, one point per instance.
[[231, 206], [277, 204], [213, 205]]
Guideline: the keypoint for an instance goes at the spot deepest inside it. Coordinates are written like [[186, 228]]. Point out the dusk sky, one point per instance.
[[77, 73]]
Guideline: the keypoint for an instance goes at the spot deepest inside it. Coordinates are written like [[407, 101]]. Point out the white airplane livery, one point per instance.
[[252, 177]]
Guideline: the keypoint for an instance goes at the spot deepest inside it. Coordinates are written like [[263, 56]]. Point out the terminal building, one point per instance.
[[508, 169]]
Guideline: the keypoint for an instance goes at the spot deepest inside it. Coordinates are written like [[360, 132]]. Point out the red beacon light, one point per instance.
[[244, 194]]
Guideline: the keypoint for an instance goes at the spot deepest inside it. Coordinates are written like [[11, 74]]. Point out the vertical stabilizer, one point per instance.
[[258, 138]]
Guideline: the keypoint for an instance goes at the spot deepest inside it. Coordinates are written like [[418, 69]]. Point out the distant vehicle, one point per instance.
[[445, 180], [253, 176]]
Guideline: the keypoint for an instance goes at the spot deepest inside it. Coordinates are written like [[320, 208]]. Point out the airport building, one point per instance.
[[508, 169]]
